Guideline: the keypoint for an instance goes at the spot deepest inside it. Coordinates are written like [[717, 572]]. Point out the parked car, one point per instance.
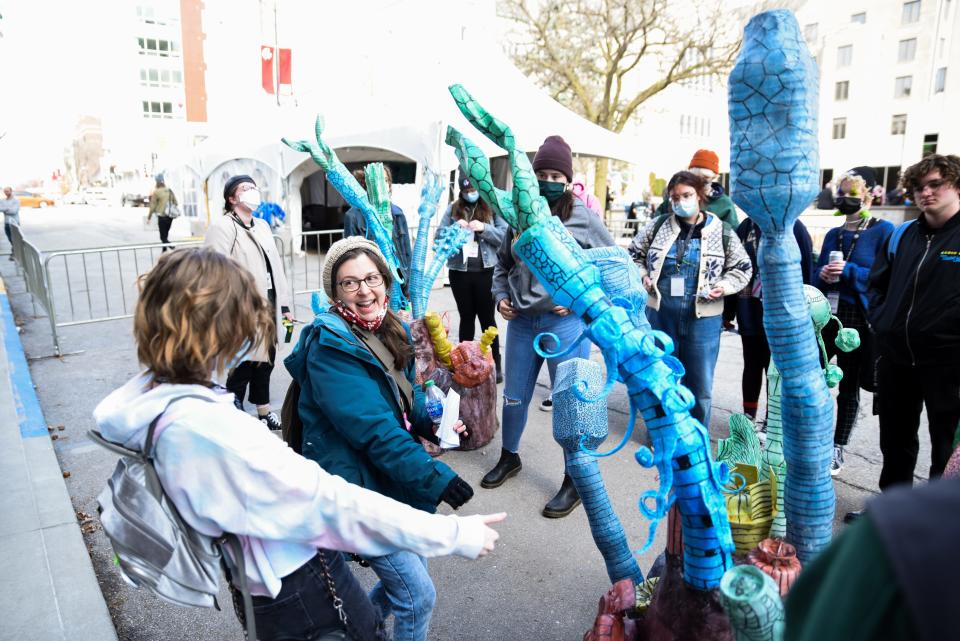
[[33, 200], [135, 200], [73, 198], [102, 196]]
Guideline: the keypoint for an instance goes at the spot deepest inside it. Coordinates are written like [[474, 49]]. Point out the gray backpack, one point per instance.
[[153, 546]]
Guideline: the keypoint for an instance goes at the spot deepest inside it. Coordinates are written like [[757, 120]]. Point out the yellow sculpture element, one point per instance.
[[487, 339], [441, 344], [752, 507]]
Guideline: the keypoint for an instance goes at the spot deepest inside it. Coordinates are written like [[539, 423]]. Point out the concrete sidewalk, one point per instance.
[[48, 591]]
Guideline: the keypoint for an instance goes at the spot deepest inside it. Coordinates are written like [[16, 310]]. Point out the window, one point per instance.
[[154, 47], [810, 32], [844, 55], [842, 91], [902, 86], [930, 144], [154, 109], [940, 80], [859, 18], [898, 125], [161, 77], [911, 12], [839, 128], [157, 15], [907, 50]]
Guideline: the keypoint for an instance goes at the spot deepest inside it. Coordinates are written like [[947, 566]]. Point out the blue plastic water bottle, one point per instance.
[[434, 401]]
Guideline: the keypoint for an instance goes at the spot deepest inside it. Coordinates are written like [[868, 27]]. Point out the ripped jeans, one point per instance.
[[522, 365]]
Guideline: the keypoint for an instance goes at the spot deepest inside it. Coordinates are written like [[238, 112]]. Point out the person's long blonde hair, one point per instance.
[[197, 311]]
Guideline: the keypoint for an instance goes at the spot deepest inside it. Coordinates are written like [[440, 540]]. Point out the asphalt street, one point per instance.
[[545, 578]]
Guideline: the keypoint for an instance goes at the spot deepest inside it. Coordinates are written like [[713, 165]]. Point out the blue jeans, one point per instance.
[[522, 365], [696, 340], [406, 590]]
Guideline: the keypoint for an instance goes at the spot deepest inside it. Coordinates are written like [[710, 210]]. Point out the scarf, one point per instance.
[[351, 316]]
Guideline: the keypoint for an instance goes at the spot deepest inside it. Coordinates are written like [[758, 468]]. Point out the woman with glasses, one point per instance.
[[362, 412], [842, 273], [689, 261], [249, 241]]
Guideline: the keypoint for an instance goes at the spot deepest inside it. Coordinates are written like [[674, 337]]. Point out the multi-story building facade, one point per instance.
[[889, 81]]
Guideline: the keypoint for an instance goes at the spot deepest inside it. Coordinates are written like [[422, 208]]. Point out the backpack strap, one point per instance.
[[895, 237]]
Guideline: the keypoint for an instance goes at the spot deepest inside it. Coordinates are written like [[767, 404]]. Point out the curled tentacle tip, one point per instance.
[[644, 456], [740, 484], [582, 391]]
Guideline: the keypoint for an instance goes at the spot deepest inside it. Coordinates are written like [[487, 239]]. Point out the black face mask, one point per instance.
[[849, 205]]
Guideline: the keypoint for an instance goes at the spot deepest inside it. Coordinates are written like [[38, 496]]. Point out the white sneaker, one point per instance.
[[546, 405], [837, 463]]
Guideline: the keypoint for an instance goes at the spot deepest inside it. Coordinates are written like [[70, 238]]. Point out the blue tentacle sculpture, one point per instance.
[[446, 244], [640, 358], [476, 165], [430, 193], [576, 422], [348, 187], [774, 170]]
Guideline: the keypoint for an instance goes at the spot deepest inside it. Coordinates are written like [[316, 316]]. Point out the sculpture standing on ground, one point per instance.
[[774, 170], [632, 352]]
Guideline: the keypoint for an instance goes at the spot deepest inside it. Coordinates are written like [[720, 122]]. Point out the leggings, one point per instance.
[[473, 293], [256, 374], [164, 222], [756, 358]]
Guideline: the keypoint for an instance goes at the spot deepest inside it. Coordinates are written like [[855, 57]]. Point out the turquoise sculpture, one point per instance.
[[632, 352], [774, 171], [576, 422], [753, 605]]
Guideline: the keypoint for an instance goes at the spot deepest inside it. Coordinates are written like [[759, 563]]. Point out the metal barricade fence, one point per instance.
[[30, 263], [94, 285]]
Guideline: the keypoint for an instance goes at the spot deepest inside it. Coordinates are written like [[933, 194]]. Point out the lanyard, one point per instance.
[[682, 247], [853, 243]]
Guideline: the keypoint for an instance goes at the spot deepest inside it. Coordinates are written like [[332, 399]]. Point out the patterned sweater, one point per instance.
[[725, 267]]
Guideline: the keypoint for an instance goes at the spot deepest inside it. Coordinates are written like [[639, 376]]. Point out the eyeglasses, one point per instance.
[[934, 185], [352, 284]]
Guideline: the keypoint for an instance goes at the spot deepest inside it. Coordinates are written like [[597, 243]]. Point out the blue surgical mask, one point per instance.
[[471, 196], [686, 208]]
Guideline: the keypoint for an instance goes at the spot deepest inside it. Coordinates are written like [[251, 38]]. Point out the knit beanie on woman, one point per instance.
[[555, 154], [337, 250]]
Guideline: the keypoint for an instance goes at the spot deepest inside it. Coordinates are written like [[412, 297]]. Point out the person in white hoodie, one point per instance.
[[199, 312]]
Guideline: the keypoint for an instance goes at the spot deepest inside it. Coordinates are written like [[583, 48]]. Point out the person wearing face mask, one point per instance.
[[689, 261], [528, 309], [845, 283], [706, 164], [362, 411], [249, 241], [471, 269]]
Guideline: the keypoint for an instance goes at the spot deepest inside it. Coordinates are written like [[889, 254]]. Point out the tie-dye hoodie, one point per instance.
[[226, 472]]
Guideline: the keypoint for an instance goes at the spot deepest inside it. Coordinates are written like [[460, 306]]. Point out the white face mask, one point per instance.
[[250, 198]]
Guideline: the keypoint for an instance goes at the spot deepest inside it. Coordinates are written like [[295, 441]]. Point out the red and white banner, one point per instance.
[[284, 68]]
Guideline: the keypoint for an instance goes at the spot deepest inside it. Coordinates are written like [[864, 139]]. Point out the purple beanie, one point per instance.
[[555, 154]]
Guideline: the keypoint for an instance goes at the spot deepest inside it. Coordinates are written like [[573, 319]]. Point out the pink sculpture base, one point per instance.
[[478, 405]]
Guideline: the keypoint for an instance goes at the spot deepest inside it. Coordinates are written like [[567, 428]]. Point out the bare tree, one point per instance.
[[605, 58]]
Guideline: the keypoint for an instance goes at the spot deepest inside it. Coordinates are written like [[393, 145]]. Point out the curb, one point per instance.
[[50, 591]]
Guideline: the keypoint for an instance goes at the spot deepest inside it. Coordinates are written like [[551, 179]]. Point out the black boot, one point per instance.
[[508, 465], [564, 502], [499, 369]]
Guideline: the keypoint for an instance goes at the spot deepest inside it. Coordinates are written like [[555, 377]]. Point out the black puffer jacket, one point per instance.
[[915, 299]]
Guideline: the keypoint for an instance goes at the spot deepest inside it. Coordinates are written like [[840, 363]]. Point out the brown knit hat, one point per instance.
[[337, 250], [555, 154], [705, 159]]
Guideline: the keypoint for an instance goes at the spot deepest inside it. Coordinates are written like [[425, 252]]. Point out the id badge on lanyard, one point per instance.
[[471, 250], [676, 285], [833, 297]]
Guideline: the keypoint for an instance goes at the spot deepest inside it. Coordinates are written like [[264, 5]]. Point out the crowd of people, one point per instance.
[[360, 482]]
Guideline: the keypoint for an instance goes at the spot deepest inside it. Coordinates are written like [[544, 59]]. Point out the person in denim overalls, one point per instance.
[[689, 263]]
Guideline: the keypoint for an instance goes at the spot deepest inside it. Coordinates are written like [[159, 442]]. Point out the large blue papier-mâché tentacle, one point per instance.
[[476, 166], [688, 475], [576, 422], [430, 194], [347, 186], [774, 171]]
